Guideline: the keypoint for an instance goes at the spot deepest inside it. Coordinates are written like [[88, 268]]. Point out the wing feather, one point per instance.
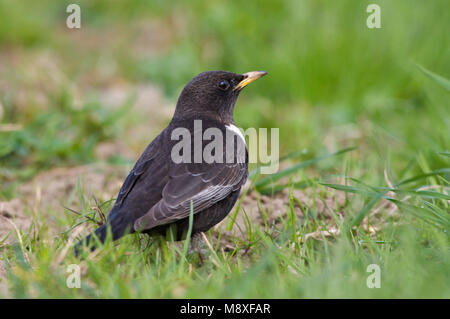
[[202, 184]]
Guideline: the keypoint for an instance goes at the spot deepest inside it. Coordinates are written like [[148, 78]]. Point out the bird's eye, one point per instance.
[[224, 85]]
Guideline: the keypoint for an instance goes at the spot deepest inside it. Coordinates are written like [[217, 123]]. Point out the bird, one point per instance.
[[165, 187]]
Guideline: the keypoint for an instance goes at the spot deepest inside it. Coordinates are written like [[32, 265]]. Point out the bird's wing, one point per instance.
[[202, 184], [141, 166]]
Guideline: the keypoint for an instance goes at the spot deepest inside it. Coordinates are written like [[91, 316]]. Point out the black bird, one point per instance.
[[160, 190]]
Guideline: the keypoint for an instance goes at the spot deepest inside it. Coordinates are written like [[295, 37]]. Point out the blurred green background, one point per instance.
[[332, 81], [101, 93]]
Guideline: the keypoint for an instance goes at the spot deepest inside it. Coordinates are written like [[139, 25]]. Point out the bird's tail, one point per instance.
[[89, 241], [117, 231]]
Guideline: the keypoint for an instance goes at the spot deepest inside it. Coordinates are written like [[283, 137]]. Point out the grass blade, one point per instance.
[[445, 83], [189, 233], [275, 177], [417, 177]]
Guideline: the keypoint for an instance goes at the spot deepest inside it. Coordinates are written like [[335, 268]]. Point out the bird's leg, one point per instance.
[[197, 245]]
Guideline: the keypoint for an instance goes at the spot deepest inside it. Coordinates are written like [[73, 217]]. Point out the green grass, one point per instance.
[[363, 118], [275, 262]]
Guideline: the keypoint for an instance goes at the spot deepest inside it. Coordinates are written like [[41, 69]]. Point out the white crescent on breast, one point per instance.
[[236, 130]]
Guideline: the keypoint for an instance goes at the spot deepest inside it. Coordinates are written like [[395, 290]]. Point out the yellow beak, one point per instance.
[[249, 77]]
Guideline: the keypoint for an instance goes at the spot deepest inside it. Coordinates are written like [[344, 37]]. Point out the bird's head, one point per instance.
[[214, 93]]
